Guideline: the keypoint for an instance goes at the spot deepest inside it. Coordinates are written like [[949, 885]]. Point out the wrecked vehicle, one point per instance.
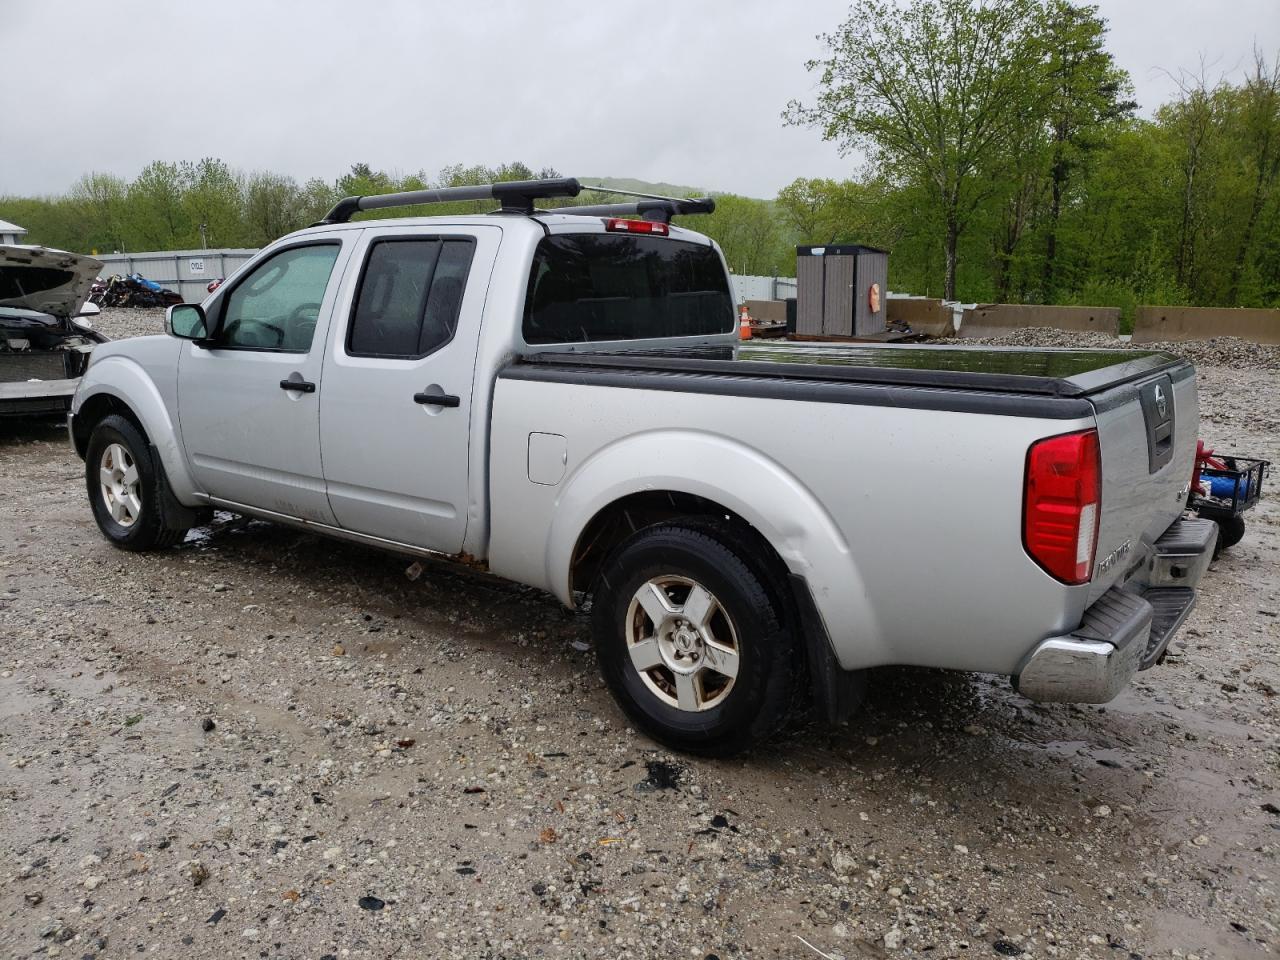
[[43, 349], [560, 396]]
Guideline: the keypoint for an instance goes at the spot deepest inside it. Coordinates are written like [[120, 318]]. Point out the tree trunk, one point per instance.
[[1002, 275], [1055, 212], [1267, 169], [1246, 241], [952, 241]]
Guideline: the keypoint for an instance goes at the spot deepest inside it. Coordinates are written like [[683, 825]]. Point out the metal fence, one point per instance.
[[187, 272], [763, 288]]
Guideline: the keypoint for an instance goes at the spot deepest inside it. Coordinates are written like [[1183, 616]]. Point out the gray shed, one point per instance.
[[841, 290]]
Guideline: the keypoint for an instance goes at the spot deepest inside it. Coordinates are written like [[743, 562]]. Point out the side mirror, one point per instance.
[[187, 321]]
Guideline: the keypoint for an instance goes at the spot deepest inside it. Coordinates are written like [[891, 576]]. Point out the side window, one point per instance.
[[409, 297], [276, 307]]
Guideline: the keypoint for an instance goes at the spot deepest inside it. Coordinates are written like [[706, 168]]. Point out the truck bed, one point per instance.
[[1054, 383]]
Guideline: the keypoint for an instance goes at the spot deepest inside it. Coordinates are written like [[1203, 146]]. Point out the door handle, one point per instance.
[[301, 386], [437, 399]]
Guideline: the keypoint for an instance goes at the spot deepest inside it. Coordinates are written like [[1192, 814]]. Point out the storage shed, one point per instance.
[[11, 233], [841, 290]]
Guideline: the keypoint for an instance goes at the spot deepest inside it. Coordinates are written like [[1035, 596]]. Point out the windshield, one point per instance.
[[589, 288]]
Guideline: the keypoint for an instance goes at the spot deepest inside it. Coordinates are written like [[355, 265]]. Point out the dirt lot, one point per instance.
[[264, 744]]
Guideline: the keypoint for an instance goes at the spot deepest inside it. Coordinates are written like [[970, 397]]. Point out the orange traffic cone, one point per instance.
[[744, 325]]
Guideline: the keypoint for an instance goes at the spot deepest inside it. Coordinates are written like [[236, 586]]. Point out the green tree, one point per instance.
[[100, 202], [748, 234], [1088, 95], [933, 91], [317, 199], [1193, 126], [214, 203], [272, 207], [155, 212], [1259, 151]]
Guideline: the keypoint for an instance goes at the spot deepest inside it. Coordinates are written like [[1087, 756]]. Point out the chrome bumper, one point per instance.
[[1094, 662], [1128, 629]]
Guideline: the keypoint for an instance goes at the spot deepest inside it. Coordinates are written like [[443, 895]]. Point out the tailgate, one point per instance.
[[1147, 432]]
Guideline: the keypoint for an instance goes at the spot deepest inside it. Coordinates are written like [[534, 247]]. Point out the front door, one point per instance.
[[395, 414], [249, 403]]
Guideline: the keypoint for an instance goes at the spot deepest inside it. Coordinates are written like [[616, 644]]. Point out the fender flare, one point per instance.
[[122, 378], [745, 481]]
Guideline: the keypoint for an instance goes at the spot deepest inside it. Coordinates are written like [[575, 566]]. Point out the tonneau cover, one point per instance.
[[1049, 372]]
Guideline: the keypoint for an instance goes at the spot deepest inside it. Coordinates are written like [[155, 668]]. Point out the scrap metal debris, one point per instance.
[[135, 290]]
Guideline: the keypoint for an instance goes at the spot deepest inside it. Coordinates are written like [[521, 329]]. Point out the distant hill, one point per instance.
[[644, 186]]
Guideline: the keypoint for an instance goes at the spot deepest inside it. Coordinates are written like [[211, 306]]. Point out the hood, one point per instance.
[[49, 281]]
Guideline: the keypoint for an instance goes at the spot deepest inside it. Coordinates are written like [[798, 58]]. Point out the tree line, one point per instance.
[[1000, 157], [208, 204], [1005, 161]]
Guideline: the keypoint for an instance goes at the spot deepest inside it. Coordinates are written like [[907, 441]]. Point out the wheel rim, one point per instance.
[[118, 481], [682, 643]]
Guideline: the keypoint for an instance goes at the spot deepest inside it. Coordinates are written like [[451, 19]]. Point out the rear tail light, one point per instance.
[[653, 227], [1060, 504]]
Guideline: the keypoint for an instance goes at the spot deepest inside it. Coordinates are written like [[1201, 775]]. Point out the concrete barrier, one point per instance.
[[770, 311], [930, 318], [999, 319], [1153, 324]]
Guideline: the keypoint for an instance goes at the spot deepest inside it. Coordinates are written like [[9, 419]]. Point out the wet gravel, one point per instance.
[[265, 744], [1218, 351]]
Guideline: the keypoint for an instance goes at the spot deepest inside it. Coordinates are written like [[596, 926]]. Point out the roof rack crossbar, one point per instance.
[[515, 196], [659, 211]]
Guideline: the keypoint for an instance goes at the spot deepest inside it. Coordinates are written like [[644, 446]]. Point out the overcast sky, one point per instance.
[[683, 91]]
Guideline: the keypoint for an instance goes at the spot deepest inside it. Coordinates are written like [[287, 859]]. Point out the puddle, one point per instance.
[[661, 776]]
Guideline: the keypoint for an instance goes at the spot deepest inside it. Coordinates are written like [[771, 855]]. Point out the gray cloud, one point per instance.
[[688, 92]]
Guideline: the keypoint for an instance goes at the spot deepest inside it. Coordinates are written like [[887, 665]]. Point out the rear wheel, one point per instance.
[[692, 641], [125, 489], [1230, 532]]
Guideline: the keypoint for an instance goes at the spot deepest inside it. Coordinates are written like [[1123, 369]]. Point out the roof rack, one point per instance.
[[658, 211], [515, 196]]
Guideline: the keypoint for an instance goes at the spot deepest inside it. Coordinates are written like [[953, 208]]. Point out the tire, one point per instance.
[[127, 488], [1230, 532], [671, 676]]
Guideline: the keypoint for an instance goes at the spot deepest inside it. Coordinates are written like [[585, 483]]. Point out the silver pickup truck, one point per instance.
[[560, 397]]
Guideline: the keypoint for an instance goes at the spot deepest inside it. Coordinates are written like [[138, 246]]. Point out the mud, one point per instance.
[[430, 767]]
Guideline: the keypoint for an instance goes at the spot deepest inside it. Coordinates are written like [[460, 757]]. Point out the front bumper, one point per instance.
[[1128, 629], [31, 398]]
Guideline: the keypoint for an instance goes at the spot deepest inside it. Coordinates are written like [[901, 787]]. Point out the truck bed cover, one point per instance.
[[1006, 380]]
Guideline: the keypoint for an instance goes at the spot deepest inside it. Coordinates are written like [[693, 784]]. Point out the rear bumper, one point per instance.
[[1128, 629]]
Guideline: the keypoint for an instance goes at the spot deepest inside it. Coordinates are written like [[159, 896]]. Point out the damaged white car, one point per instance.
[[44, 343]]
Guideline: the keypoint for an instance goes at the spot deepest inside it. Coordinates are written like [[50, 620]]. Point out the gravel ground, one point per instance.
[[264, 744], [1219, 351]]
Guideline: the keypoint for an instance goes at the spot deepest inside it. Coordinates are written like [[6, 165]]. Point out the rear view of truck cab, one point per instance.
[[1103, 511]]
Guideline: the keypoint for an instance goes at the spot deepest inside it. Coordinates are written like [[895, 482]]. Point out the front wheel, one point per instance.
[[125, 487], [693, 641]]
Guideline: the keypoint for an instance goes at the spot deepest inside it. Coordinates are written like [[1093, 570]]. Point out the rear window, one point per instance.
[[409, 297], [586, 288]]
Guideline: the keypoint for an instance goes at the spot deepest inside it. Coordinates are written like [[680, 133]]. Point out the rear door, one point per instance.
[[249, 404], [395, 413]]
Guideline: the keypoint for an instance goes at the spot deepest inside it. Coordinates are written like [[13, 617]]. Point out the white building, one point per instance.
[[11, 232]]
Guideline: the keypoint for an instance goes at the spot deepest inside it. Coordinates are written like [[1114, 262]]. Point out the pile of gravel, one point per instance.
[[1215, 352], [120, 323]]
